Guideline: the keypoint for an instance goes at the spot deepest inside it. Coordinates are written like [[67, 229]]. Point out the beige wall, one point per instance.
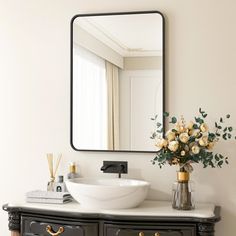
[[34, 92]]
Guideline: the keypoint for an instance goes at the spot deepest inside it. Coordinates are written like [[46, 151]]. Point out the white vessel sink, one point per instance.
[[108, 193]]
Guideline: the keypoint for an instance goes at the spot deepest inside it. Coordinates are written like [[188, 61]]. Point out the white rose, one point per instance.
[[195, 149], [170, 135], [203, 141], [173, 146], [204, 127], [184, 137], [180, 128], [194, 132], [162, 143]]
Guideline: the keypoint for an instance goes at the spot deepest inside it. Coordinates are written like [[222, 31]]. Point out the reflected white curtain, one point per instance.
[[112, 77], [90, 100]]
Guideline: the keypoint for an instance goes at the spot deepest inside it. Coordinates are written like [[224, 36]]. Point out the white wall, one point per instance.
[[34, 92]]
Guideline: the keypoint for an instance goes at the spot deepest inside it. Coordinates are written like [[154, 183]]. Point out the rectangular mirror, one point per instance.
[[117, 80]]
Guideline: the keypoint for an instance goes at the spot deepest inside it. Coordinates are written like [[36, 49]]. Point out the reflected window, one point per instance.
[[90, 98]]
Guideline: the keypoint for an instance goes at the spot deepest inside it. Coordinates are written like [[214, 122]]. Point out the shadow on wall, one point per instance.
[[228, 219]]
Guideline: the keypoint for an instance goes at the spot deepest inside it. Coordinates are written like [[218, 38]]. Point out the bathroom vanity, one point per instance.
[[151, 218]]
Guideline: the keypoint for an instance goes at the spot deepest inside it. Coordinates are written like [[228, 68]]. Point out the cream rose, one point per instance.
[[173, 146], [162, 143], [203, 141], [170, 135], [194, 132], [184, 137], [195, 149], [179, 128], [204, 127]]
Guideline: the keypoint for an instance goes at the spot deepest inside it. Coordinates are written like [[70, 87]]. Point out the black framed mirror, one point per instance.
[[117, 80]]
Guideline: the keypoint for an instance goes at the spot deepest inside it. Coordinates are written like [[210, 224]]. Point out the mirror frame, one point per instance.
[[71, 74]]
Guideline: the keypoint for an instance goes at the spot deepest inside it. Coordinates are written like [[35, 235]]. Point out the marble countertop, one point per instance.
[[147, 208]]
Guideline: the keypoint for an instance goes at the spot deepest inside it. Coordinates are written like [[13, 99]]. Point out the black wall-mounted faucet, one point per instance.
[[120, 167]]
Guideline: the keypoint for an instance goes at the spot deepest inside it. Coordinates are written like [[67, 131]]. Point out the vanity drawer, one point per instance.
[[32, 226], [148, 230]]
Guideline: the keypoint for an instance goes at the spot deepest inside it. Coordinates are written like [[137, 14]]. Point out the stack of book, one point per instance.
[[39, 196]]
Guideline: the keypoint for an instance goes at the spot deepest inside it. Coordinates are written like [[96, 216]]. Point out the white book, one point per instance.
[[47, 194], [48, 200]]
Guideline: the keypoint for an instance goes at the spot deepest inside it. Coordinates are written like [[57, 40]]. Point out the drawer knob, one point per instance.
[[50, 231]]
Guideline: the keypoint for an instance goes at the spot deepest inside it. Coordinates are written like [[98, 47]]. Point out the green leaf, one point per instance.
[[173, 120], [166, 114], [195, 126], [219, 127], [199, 120], [229, 136], [225, 136], [221, 120], [217, 134], [225, 129], [216, 125], [158, 125], [211, 137], [221, 157], [220, 163], [160, 131], [230, 129], [153, 136], [228, 116], [217, 158], [204, 115], [154, 118]]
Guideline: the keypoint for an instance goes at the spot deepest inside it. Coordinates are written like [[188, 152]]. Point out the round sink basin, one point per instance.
[[108, 193]]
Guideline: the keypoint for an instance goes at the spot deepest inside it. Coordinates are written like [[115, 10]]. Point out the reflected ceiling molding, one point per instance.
[[102, 34]]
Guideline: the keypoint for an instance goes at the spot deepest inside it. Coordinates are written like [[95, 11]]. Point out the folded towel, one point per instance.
[[48, 200], [48, 195]]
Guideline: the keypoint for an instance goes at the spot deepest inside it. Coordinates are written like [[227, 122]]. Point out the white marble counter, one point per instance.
[[147, 208]]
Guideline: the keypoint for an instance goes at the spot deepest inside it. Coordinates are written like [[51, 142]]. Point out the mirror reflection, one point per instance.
[[117, 81]]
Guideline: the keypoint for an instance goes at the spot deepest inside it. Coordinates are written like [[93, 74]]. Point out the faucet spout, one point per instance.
[[105, 167]]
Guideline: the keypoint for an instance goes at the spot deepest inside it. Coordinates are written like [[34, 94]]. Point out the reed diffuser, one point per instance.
[[52, 171]]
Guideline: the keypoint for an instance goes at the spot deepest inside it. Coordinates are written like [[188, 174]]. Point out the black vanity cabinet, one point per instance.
[[31, 225], [70, 220], [149, 230]]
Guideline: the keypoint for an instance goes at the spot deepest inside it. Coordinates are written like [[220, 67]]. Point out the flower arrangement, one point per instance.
[[188, 143]]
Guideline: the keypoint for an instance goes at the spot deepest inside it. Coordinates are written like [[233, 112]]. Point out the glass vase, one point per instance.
[[182, 191], [51, 185]]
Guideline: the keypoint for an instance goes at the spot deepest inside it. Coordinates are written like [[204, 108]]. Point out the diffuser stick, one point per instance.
[[57, 165], [50, 164], [50, 186]]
